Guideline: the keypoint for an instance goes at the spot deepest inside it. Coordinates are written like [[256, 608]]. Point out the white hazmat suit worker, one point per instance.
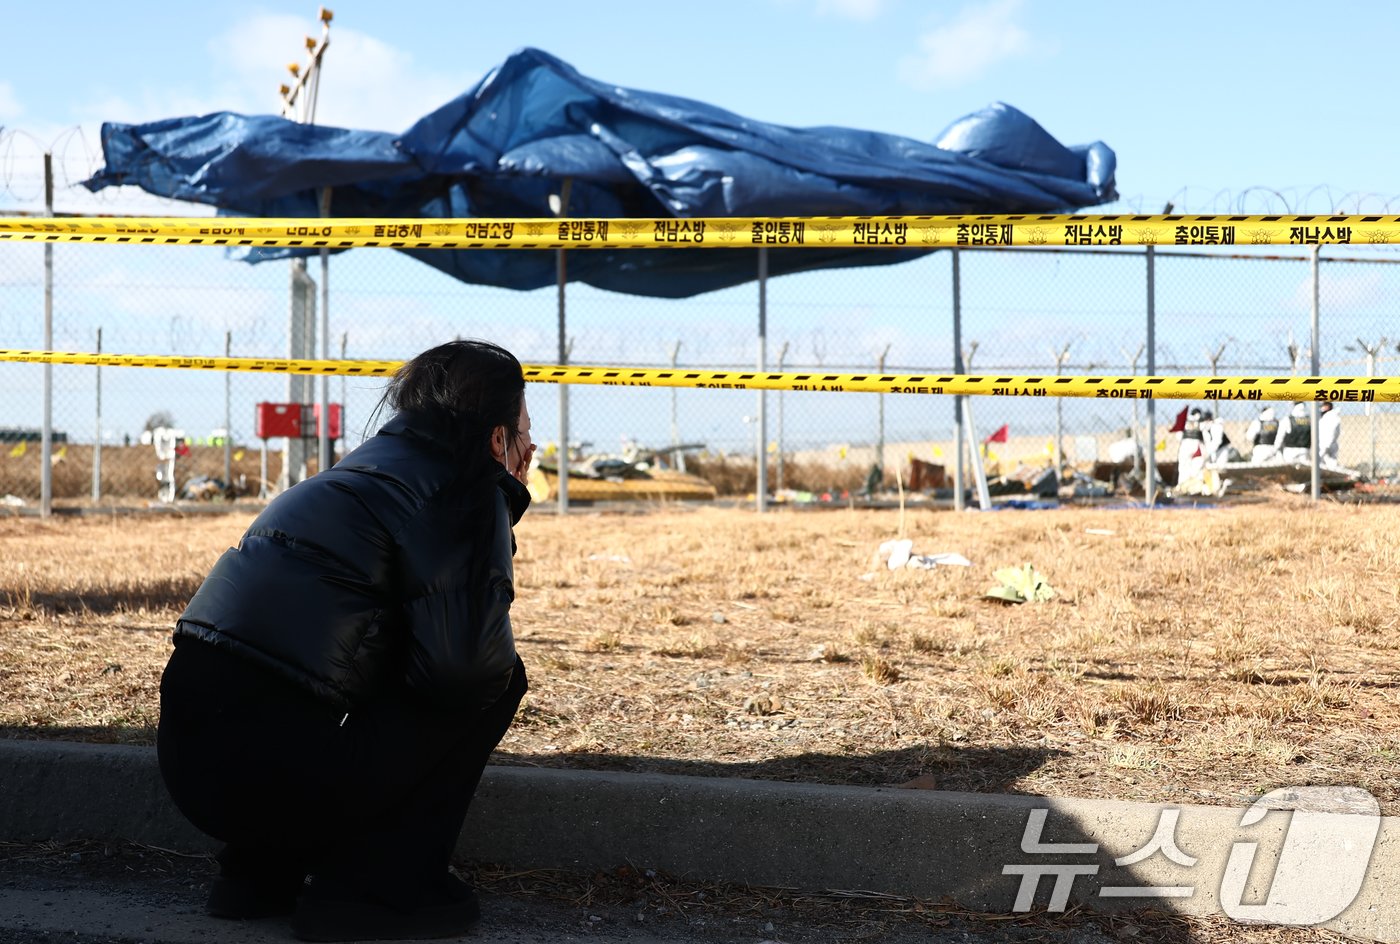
[[1329, 435], [1262, 435], [1295, 434]]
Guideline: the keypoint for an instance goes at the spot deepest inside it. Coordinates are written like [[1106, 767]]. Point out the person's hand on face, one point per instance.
[[519, 449], [520, 468]]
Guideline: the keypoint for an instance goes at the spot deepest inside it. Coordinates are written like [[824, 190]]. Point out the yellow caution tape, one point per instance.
[[253, 364], [1337, 389], [831, 232]]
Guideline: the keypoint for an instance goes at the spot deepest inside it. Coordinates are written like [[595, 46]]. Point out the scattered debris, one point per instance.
[[613, 558], [896, 554], [945, 559], [1020, 585], [900, 553], [763, 705], [206, 488], [12, 501], [825, 652]]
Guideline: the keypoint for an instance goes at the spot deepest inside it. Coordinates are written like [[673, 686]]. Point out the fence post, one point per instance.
[[344, 403], [323, 425], [880, 433], [1137, 421], [677, 456], [46, 443], [1316, 368], [97, 439], [761, 486], [1060, 356], [958, 503], [782, 356], [1150, 488], [560, 205], [228, 414]]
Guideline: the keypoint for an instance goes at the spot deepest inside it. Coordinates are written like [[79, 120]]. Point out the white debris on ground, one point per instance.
[[899, 553]]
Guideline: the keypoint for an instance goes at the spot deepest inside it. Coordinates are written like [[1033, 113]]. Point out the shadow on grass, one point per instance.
[[168, 594], [142, 735], [942, 767]]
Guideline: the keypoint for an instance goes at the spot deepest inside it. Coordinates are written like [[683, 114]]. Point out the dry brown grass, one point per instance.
[[1190, 656]]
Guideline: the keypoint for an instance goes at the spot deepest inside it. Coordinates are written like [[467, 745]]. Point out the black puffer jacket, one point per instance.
[[396, 562]]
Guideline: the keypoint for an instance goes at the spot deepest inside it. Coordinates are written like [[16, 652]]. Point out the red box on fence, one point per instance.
[[334, 429], [296, 420], [277, 419]]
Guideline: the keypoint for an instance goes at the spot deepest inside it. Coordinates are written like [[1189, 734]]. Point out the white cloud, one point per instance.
[[863, 10], [1355, 289], [963, 50], [10, 107], [365, 82]]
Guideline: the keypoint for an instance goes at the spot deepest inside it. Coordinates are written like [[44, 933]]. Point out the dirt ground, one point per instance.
[[1189, 654]]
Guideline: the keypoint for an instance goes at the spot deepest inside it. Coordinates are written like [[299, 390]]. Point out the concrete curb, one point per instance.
[[975, 849]]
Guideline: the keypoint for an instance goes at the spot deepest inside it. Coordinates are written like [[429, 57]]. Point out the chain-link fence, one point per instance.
[[1022, 311]]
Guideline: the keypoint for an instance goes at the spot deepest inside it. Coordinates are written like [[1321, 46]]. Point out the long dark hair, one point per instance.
[[471, 386]]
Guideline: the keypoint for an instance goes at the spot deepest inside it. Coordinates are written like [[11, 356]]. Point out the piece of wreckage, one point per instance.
[[1239, 476], [640, 475], [1024, 481], [1292, 476]]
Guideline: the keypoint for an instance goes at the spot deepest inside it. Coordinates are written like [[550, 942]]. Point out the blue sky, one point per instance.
[[1236, 106]]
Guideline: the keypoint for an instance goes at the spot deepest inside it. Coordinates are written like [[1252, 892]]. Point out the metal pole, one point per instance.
[[97, 439], [323, 424], [1137, 420], [1316, 368], [228, 415], [979, 474], [761, 488], [1060, 357], [782, 356], [958, 435], [46, 443], [561, 267], [344, 413], [1150, 488], [677, 457], [1370, 412], [880, 440], [301, 389]]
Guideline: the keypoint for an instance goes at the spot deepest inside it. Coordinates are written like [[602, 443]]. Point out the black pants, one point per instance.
[[374, 800]]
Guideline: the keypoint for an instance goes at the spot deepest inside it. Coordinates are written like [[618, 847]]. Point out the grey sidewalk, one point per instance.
[[922, 844]]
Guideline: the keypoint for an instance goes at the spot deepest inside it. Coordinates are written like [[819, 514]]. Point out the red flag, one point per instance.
[[1000, 435], [1180, 423]]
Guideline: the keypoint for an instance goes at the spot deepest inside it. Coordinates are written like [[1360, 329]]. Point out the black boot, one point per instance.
[[335, 910], [254, 883]]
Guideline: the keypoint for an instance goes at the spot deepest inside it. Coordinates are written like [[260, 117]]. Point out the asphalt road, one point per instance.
[[96, 894]]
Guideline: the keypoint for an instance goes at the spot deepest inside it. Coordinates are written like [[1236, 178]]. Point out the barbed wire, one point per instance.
[[1262, 200], [75, 158]]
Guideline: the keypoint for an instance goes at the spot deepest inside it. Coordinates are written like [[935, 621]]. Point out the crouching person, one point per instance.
[[342, 676]]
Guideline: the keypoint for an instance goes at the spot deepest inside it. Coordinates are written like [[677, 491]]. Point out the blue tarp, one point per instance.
[[502, 148]]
